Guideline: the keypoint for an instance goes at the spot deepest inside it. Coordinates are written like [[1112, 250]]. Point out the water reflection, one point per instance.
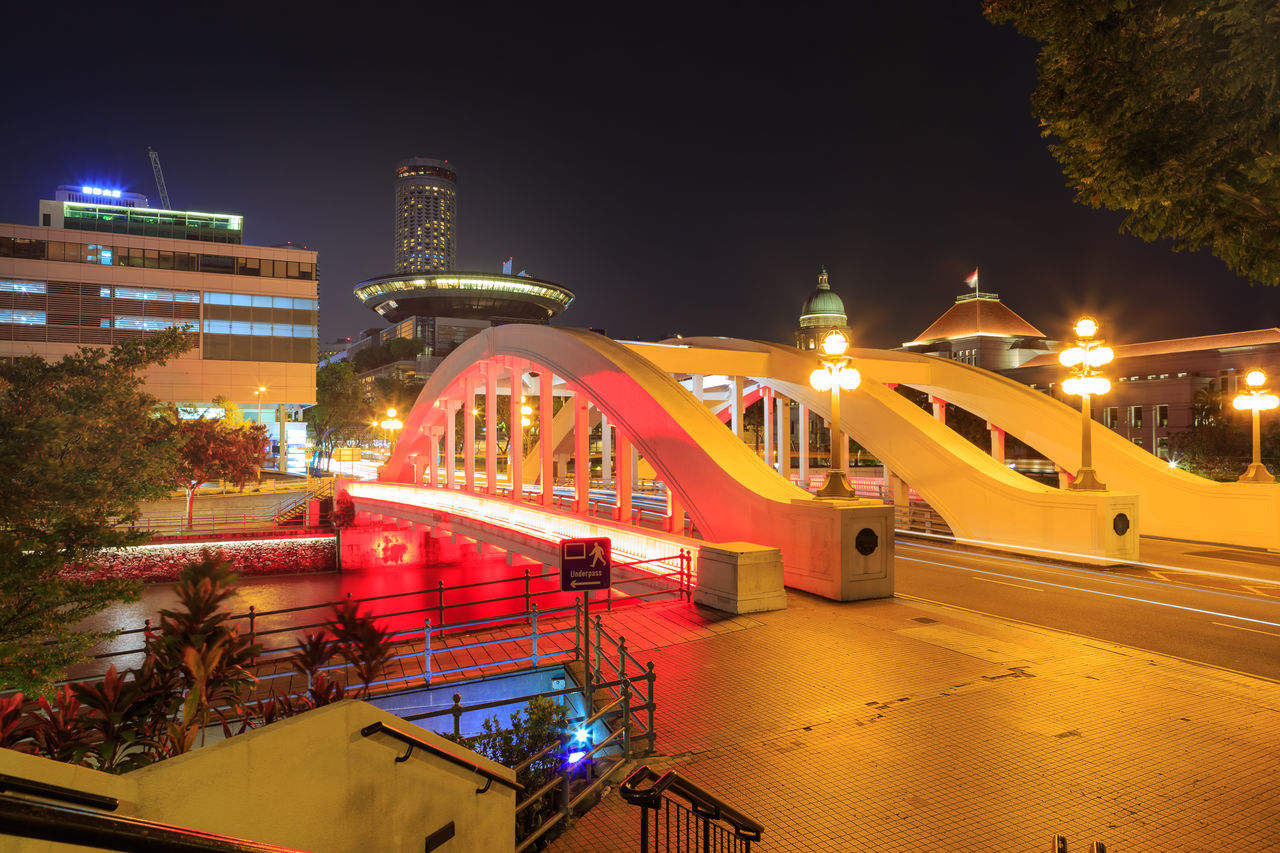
[[499, 591]]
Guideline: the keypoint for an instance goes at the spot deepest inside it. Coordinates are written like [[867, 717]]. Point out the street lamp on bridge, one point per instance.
[[836, 375], [1084, 359], [1256, 400], [390, 424]]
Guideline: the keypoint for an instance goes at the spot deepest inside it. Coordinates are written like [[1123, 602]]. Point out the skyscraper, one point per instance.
[[426, 215]]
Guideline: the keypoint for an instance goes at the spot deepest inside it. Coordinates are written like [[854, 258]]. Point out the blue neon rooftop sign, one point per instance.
[[105, 193]]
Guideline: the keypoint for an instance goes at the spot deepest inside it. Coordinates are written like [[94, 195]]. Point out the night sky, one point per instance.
[[681, 171]]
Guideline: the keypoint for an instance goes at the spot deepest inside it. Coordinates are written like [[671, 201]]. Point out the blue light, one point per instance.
[[86, 190], [580, 735], [115, 193], [575, 757]]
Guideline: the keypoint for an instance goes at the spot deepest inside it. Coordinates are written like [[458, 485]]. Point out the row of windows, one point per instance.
[[269, 330], [24, 317], [1111, 416], [124, 256], [159, 295]]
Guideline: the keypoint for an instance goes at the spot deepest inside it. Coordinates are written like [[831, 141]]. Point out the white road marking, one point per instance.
[[1006, 583]]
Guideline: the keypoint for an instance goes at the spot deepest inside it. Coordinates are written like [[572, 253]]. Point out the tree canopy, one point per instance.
[[1170, 111], [80, 446], [213, 449], [340, 406]]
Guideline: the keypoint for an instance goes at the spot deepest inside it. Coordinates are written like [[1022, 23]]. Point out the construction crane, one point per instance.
[[155, 167]]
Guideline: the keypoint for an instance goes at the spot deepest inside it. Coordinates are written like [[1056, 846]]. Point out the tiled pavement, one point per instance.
[[896, 726]]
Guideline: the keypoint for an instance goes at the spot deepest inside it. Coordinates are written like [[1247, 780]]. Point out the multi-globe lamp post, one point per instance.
[[390, 425], [1089, 354], [1256, 400], [836, 375]]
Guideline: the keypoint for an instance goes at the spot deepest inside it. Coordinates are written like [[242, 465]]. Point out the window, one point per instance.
[[22, 287], [21, 317], [1137, 440], [1162, 447], [1135, 417], [1111, 417], [1162, 416]]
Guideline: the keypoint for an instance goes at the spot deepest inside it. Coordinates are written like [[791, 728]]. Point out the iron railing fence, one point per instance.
[[434, 617], [582, 770], [705, 824]]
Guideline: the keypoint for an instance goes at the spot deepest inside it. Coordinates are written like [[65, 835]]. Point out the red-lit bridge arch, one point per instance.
[[653, 399]]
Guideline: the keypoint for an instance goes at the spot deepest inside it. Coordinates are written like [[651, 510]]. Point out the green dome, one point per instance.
[[823, 308]]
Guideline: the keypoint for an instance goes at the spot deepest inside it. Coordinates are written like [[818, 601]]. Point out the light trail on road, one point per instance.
[[1230, 629]]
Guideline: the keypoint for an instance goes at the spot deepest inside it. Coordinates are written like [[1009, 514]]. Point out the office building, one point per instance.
[[98, 273], [426, 216]]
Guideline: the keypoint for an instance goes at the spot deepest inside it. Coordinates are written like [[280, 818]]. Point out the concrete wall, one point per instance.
[[311, 782]]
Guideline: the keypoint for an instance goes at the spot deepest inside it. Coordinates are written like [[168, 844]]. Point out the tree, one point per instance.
[[211, 450], [1219, 443], [340, 406], [1170, 111], [80, 447]]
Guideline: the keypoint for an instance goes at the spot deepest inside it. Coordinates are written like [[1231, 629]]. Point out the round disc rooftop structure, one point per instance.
[[465, 295]]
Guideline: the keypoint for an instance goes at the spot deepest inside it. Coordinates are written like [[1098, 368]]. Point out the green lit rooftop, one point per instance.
[[153, 222]]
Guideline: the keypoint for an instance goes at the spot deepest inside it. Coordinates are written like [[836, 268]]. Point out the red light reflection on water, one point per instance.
[[492, 590]]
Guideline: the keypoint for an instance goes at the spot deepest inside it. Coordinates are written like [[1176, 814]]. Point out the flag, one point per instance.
[[972, 279]]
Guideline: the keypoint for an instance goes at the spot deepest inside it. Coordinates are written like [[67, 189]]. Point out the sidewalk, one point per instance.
[[895, 726]]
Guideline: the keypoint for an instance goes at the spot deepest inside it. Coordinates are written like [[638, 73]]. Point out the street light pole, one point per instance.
[[836, 375], [258, 394], [1256, 400], [1085, 357]]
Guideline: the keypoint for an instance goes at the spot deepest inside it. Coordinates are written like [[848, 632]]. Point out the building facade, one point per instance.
[[1156, 385], [99, 277], [426, 216]]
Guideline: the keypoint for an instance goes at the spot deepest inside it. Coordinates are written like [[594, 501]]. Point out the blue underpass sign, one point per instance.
[[585, 564]]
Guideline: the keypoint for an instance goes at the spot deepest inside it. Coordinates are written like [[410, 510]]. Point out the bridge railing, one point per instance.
[[438, 610]]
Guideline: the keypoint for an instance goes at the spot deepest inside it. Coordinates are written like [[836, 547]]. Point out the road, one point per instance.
[[1222, 611]]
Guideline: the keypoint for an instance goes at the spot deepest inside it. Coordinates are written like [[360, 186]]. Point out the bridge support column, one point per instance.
[[674, 522], [515, 433], [581, 454], [783, 406], [623, 485], [491, 430], [546, 438], [736, 403], [451, 445], [766, 415], [802, 427], [997, 442], [606, 451], [469, 435]]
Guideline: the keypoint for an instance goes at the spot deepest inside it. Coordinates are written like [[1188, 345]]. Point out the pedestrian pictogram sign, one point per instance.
[[585, 564]]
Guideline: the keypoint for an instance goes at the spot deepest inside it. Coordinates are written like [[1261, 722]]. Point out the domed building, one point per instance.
[[822, 312]]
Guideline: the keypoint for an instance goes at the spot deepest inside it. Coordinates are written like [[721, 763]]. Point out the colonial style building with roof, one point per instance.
[[1154, 385], [981, 330]]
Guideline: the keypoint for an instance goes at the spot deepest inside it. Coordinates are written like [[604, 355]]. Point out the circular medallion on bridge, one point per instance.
[[866, 541], [1120, 524]]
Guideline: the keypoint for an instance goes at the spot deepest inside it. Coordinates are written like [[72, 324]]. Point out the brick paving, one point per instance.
[[896, 726]]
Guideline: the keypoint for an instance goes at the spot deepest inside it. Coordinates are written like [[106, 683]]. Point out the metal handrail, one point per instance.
[[25, 818], [702, 801], [56, 792], [416, 742]]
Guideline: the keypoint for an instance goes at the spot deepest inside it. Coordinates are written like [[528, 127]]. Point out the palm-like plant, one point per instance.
[[364, 644]]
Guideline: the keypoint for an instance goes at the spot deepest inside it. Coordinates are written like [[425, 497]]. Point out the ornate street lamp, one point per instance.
[[835, 375], [390, 424], [1256, 400], [1085, 358]]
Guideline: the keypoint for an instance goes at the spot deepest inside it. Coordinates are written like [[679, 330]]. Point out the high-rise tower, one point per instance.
[[426, 215]]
